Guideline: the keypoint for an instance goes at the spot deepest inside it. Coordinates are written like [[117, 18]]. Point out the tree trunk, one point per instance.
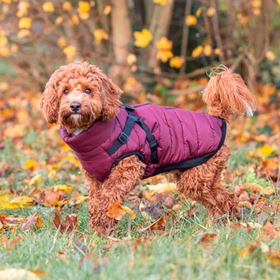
[[121, 35], [159, 27]]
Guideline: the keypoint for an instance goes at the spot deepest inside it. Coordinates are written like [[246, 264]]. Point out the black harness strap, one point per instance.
[[124, 136], [152, 141]]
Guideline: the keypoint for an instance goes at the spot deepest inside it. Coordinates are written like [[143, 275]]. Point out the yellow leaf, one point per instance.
[[71, 158], [67, 6], [4, 51], [61, 42], [4, 197], [100, 34], [268, 191], [84, 9], [161, 2], [207, 50], [30, 164], [58, 20], [265, 150], [245, 204], [164, 55], [131, 59], [14, 48], [117, 211], [142, 38], [176, 62], [197, 51], [162, 187], [256, 3], [65, 188], [244, 20], [270, 55], [52, 174], [17, 273], [70, 52], [164, 44], [211, 11], [198, 12], [107, 10], [4, 86], [217, 51], [278, 1], [129, 212], [25, 23], [78, 200], [74, 20], [23, 7], [7, 1], [48, 7], [18, 202], [190, 20], [3, 40], [23, 33], [16, 131], [36, 180]]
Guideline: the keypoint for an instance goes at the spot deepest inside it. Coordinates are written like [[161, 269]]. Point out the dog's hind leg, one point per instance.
[[203, 184]]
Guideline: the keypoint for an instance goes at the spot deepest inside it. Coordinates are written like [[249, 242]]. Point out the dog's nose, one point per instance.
[[75, 106]]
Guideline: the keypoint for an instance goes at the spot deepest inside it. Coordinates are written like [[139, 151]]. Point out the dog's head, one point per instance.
[[78, 94]]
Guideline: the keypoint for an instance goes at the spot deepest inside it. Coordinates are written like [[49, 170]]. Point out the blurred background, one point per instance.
[[157, 51]]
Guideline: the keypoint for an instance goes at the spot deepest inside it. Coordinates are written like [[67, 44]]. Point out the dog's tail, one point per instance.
[[226, 94]]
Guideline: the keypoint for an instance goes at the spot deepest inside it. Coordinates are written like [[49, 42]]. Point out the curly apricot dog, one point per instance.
[[119, 145]]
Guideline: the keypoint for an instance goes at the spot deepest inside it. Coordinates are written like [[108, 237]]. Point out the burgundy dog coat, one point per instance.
[[164, 138]]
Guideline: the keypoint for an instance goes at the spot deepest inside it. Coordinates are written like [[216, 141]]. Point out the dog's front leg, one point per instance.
[[123, 178]]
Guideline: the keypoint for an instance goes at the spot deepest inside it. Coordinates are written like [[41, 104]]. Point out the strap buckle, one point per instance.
[[123, 138]]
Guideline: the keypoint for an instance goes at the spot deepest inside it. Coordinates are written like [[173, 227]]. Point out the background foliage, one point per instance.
[[157, 51]]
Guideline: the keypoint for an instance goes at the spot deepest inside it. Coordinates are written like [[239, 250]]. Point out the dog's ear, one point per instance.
[[50, 102], [111, 99], [110, 93]]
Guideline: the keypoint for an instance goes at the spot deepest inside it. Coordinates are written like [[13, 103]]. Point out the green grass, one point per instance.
[[175, 253]]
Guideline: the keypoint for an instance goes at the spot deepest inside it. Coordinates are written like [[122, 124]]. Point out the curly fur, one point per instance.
[[102, 102], [225, 94]]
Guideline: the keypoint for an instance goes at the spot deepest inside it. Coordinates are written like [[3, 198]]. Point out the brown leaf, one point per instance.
[[69, 224], [159, 224], [10, 243], [32, 221], [61, 255], [57, 220], [39, 272], [207, 238], [270, 231], [115, 211], [274, 257]]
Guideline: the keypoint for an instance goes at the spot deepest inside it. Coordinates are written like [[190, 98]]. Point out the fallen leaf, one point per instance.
[[159, 224], [270, 231], [208, 238], [117, 211], [17, 274], [9, 244], [70, 223], [32, 221]]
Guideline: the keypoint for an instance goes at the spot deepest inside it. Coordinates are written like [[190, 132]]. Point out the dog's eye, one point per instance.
[[87, 90], [66, 91]]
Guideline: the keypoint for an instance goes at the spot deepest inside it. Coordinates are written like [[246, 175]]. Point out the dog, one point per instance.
[[118, 145]]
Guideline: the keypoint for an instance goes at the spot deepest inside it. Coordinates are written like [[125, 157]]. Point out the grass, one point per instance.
[[175, 253]]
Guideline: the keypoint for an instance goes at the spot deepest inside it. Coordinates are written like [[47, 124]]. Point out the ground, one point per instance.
[[161, 235]]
